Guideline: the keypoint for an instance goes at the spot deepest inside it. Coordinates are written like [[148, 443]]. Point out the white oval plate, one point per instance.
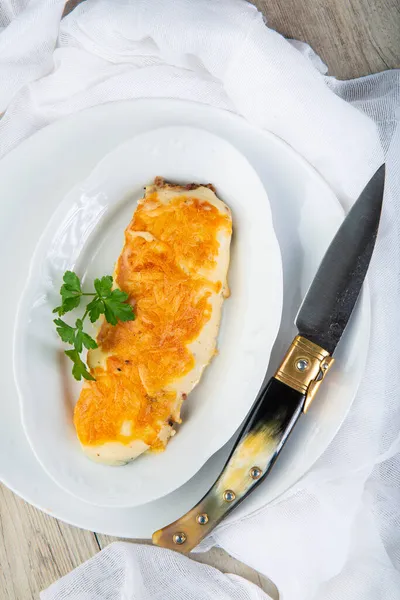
[[86, 235], [306, 213]]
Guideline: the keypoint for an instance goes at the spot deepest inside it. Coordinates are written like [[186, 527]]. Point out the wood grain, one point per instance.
[[35, 549], [353, 37]]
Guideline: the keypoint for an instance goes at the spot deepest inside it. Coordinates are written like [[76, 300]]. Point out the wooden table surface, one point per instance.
[[354, 38]]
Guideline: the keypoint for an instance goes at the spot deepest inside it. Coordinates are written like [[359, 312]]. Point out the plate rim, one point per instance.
[[25, 145], [29, 294]]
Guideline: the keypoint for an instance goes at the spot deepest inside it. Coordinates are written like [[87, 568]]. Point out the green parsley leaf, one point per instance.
[[78, 341], [120, 310], [112, 303], [116, 308], [95, 308], [79, 369], [65, 331], [66, 293], [88, 342], [119, 296], [109, 314], [103, 286], [71, 281], [82, 339], [70, 293], [69, 304]]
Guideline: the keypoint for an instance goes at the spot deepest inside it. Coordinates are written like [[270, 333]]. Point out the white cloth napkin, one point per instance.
[[125, 571], [336, 533]]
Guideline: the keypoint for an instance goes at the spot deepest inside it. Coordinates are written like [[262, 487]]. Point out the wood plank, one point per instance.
[[70, 5], [216, 557], [353, 37], [35, 549]]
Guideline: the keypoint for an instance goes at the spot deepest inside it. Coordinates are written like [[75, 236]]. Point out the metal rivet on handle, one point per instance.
[[229, 496], [202, 519], [255, 473], [179, 538], [302, 364]]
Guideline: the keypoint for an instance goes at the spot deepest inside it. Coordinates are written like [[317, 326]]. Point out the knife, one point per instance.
[[321, 321]]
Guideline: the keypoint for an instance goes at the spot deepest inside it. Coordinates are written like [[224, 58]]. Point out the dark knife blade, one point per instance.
[[330, 300], [321, 321]]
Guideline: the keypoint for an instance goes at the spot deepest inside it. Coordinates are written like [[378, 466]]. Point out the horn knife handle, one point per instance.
[[266, 429]]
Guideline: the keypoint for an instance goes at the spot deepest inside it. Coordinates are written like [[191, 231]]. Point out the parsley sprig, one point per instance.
[[105, 301]]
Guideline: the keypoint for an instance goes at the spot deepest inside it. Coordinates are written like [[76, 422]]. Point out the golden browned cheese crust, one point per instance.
[[173, 266]]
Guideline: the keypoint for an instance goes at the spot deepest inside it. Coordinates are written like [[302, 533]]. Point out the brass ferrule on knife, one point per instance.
[[304, 368]]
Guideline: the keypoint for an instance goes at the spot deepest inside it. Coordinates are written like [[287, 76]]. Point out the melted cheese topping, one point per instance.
[[173, 266]]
